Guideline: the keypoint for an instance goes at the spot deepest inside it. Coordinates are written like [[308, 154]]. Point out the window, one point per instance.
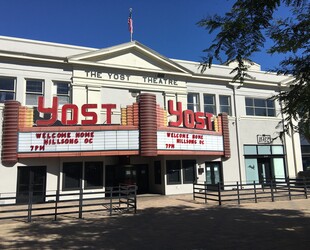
[[277, 150], [250, 150], [93, 175], [173, 172], [188, 167], [34, 89], [193, 102], [209, 103], [263, 150], [259, 107], [264, 162], [225, 104], [72, 175], [157, 172], [63, 92], [7, 89]]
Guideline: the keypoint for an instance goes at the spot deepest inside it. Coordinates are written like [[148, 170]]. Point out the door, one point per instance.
[[31, 179], [264, 170], [142, 179], [213, 173], [129, 175]]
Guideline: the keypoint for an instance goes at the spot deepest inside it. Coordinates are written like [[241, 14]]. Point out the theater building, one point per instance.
[[76, 117]]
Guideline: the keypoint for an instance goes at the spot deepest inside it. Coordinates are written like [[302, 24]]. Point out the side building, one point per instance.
[[76, 117]]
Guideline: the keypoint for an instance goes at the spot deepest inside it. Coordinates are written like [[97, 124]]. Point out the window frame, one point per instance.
[[81, 168], [258, 150], [224, 105], [195, 105], [60, 95], [255, 108], [34, 93], [176, 170], [207, 105], [6, 91], [184, 171]]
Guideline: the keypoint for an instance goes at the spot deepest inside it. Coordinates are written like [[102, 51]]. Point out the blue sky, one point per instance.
[[166, 26]]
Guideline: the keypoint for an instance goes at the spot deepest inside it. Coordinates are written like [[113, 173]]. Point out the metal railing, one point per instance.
[[113, 200], [270, 190]]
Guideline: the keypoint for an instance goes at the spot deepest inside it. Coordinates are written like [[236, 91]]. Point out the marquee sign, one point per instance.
[[188, 141], [143, 130], [72, 141]]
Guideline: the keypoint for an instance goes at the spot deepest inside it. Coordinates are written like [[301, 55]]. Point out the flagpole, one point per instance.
[[130, 36], [130, 24]]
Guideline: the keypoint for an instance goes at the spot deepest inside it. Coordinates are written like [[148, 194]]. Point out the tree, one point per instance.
[[243, 31]]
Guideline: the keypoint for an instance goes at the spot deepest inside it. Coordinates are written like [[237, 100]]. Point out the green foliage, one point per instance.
[[243, 30]]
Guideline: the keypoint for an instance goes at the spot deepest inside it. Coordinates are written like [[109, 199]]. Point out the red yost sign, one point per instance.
[[85, 112], [189, 118]]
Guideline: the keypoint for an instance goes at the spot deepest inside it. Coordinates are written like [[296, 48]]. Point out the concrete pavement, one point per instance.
[[171, 222]]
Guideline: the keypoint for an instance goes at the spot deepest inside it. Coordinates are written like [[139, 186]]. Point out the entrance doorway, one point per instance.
[[128, 174], [31, 179], [264, 170], [213, 173]]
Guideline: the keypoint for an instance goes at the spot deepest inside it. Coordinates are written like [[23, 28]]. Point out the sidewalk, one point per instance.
[[171, 222]]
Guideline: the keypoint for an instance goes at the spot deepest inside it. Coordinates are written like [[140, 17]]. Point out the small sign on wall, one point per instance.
[[264, 139]]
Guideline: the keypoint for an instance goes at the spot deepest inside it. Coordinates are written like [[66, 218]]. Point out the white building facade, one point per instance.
[[75, 117]]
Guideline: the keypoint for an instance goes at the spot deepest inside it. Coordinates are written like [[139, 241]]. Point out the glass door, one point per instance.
[[264, 170], [31, 179], [213, 173]]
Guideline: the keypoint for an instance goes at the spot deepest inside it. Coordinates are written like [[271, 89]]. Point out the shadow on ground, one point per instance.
[[168, 228]]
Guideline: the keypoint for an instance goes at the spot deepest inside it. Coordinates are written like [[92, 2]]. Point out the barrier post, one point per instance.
[[271, 191], [305, 188], [255, 193], [81, 204], [111, 192], [56, 204], [135, 198], [30, 205], [219, 193], [288, 188], [238, 193], [205, 190]]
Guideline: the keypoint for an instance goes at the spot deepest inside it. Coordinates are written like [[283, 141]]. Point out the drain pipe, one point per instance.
[[234, 87], [294, 149], [283, 140]]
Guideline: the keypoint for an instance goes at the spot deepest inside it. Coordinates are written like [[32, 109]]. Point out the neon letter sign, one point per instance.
[[53, 111], [188, 118]]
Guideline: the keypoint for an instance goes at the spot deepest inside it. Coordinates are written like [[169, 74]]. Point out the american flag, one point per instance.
[[130, 23]]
